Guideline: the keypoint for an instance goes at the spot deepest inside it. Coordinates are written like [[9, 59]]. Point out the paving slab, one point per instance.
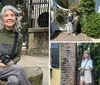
[[43, 62]]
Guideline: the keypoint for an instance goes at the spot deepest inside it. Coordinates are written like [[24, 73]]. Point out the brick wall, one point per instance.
[[68, 63]]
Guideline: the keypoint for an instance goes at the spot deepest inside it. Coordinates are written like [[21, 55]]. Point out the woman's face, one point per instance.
[[9, 19], [86, 55]]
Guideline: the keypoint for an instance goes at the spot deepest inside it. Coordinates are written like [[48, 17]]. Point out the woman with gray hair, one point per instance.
[[86, 64], [10, 47]]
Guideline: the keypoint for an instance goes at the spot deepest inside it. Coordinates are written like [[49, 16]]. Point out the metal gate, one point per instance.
[[38, 13], [94, 78]]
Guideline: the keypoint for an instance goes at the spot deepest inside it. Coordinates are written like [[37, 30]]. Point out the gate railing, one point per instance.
[[38, 13], [94, 78]]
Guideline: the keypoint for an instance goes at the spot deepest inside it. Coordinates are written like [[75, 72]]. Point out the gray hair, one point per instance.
[[16, 12], [87, 53]]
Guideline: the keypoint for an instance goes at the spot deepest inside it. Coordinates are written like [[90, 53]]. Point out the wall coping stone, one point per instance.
[[31, 30]]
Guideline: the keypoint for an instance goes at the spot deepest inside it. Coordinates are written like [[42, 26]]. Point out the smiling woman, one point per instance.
[[87, 67], [9, 19], [10, 48]]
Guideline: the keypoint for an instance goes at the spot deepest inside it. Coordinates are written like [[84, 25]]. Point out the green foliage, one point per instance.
[[74, 7], [61, 16], [95, 49], [95, 54], [91, 25], [20, 1], [22, 9], [1, 6], [72, 1], [81, 20], [97, 66], [87, 6], [63, 3], [24, 27]]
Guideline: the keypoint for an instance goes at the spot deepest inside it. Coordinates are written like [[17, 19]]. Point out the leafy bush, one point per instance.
[[97, 63], [74, 7], [61, 16], [87, 6], [91, 25]]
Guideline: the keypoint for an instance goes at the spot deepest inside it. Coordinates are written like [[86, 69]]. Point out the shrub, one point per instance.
[[91, 25], [74, 7], [87, 6], [61, 16]]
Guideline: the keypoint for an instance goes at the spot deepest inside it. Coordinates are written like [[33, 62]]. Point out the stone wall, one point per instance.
[[68, 63], [38, 39]]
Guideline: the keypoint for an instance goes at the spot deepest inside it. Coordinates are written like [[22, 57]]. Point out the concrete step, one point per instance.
[[35, 76], [24, 51], [37, 61]]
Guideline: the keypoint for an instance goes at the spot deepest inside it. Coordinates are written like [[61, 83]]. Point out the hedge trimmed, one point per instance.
[[91, 25]]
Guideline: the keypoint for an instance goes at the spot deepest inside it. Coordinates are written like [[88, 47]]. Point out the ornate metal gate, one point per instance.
[[38, 13], [94, 78], [38, 23]]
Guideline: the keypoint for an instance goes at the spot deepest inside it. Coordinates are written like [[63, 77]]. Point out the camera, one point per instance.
[[5, 59]]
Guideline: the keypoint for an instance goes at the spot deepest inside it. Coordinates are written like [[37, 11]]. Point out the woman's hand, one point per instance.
[[2, 65], [90, 68], [79, 68]]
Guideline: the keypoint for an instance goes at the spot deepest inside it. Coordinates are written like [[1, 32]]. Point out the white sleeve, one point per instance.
[[91, 63], [82, 63]]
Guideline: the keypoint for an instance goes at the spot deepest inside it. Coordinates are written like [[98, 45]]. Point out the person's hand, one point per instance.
[[90, 68], [2, 65], [79, 68]]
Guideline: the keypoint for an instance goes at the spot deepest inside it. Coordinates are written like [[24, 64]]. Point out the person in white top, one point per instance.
[[69, 24], [88, 66]]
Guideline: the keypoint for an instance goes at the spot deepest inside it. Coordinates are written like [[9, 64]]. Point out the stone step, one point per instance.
[[24, 51], [35, 76]]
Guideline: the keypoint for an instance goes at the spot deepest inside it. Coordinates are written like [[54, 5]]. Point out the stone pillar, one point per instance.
[[38, 39], [68, 63]]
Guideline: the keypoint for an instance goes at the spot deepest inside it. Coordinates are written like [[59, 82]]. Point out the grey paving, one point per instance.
[[43, 62]]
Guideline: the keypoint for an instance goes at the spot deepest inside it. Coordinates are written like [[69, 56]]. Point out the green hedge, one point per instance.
[[60, 16], [91, 25]]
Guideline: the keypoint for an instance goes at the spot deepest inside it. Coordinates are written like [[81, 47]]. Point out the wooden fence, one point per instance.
[[38, 13]]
